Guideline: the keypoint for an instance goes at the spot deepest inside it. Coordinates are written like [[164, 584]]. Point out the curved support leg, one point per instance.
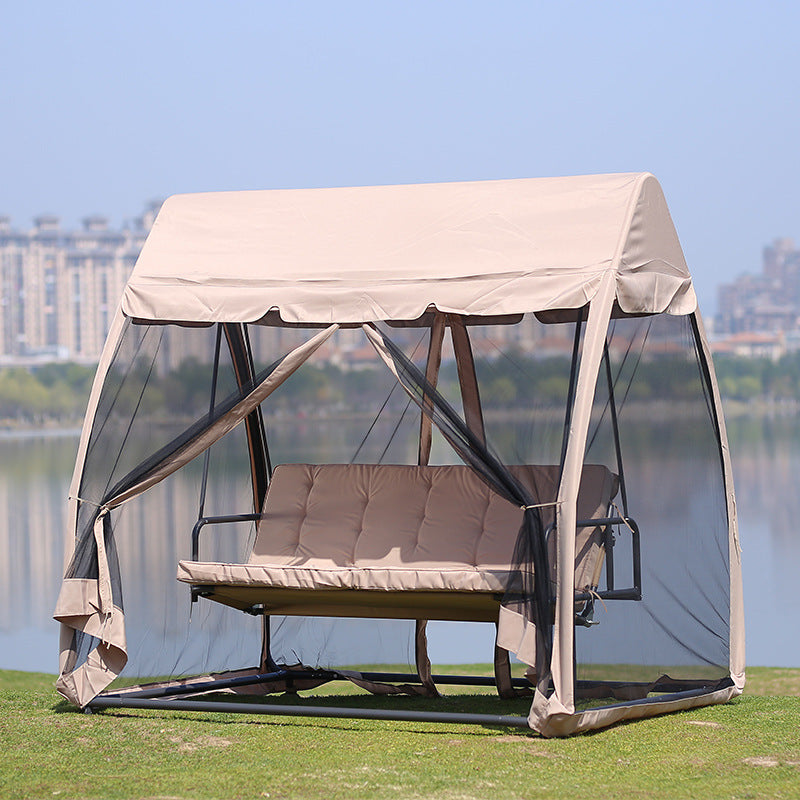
[[502, 675], [421, 657], [267, 662]]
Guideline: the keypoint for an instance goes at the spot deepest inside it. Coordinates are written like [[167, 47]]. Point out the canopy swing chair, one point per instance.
[[554, 505]]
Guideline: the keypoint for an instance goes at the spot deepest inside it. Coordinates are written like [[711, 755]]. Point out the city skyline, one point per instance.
[[710, 295], [60, 286]]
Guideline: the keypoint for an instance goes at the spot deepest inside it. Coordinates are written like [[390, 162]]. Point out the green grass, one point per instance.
[[749, 748]]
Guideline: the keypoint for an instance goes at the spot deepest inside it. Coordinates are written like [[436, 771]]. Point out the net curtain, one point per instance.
[[90, 604], [93, 644]]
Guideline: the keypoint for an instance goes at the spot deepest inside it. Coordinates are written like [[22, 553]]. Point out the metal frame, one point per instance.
[[203, 521], [611, 592], [162, 698], [292, 675], [455, 718]]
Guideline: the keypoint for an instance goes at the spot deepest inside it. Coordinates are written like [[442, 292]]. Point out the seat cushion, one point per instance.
[[396, 528]]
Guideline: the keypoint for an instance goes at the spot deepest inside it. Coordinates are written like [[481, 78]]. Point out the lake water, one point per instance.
[[34, 478]]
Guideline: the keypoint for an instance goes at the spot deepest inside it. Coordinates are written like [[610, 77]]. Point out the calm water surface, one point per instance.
[[35, 473]]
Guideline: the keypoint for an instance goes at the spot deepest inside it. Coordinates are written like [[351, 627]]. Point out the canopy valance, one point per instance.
[[372, 253]]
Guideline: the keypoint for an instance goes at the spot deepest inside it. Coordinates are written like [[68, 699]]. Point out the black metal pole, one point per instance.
[[198, 687], [499, 720], [612, 404]]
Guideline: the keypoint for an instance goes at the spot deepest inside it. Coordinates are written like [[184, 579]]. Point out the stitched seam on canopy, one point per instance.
[[370, 279]]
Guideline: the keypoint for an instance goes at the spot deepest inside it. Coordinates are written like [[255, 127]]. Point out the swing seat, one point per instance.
[[393, 541]]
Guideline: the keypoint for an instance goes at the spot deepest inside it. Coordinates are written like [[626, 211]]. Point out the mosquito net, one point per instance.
[[166, 387], [668, 449], [331, 400]]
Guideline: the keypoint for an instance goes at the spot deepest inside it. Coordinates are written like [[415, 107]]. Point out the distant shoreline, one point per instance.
[[733, 409], [40, 433]]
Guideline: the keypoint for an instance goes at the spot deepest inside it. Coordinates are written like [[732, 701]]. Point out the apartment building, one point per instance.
[[766, 303], [59, 288]]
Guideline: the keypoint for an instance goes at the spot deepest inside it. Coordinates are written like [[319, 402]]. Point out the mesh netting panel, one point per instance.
[[526, 591], [344, 406], [524, 370], [162, 389], [674, 485]]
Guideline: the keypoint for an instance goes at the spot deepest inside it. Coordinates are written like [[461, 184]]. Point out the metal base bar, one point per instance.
[[445, 680], [198, 687], [500, 720], [202, 687]]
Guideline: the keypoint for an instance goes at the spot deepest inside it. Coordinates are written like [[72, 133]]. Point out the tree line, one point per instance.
[[57, 394]]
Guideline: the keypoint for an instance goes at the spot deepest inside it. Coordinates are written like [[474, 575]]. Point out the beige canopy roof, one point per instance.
[[389, 252]]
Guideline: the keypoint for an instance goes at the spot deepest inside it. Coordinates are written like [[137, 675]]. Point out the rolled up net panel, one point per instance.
[[160, 386], [674, 490]]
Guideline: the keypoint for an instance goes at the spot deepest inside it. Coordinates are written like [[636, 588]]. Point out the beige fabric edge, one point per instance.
[[390, 253], [736, 619], [550, 723], [369, 578], [516, 635], [562, 700], [650, 266], [432, 366], [74, 607], [106, 357], [92, 608], [178, 303], [562, 663], [78, 609], [562, 660]]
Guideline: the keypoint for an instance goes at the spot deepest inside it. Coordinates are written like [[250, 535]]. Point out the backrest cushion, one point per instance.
[[381, 515]]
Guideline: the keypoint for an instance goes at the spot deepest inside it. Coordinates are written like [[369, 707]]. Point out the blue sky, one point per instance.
[[109, 105]]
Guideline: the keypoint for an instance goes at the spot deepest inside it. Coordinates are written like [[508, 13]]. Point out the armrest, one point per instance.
[[203, 521], [611, 592]]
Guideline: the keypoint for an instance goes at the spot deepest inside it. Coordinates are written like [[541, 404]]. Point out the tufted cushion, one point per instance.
[[393, 527]]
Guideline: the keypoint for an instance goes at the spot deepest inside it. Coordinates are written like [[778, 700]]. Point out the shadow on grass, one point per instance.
[[464, 703]]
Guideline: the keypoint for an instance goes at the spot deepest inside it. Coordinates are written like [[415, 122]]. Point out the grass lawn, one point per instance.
[[749, 748]]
